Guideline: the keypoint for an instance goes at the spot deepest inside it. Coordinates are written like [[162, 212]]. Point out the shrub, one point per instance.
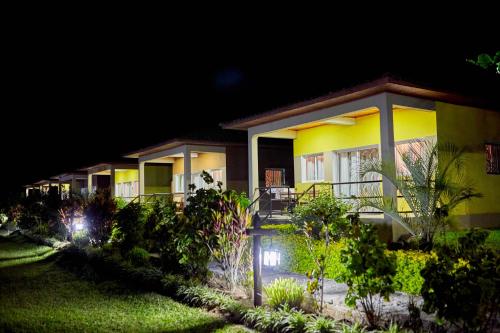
[[323, 216], [99, 213], [128, 227], [81, 239], [206, 297], [226, 237], [462, 285], [284, 292], [295, 257], [320, 324], [138, 256], [369, 272]]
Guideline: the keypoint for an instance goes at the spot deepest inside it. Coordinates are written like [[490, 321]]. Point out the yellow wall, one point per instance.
[[471, 128], [123, 176], [204, 161], [408, 124]]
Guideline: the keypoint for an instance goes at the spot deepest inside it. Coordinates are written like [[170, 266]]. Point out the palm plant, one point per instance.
[[432, 183]]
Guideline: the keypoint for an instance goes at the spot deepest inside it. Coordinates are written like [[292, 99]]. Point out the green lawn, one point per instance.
[[42, 297]]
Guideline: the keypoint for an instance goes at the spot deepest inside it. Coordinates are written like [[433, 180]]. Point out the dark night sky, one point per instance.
[[74, 97]]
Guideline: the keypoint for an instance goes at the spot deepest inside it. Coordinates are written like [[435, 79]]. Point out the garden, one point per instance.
[[150, 263]]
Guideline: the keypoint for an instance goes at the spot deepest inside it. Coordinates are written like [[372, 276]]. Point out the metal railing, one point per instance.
[[287, 198]]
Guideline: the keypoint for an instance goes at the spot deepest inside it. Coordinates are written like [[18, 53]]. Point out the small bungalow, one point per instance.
[[121, 178], [170, 167], [332, 135]]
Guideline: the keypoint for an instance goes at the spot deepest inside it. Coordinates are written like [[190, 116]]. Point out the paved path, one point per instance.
[[335, 294]]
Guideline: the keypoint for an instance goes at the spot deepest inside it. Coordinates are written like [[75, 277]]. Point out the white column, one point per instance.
[[187, 172], [73, 186], [89, 184], [142, 178], [112, 181], [388, 154], [253, 166]]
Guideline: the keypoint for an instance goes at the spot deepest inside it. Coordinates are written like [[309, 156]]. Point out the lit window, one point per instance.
[[179, 183], [314, 167], [492, 158], [217, 175]]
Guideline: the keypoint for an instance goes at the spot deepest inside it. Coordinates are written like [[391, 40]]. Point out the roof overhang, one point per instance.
[[383, 85], [176, 143]]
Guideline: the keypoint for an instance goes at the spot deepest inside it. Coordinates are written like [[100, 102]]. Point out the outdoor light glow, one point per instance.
[[272, 258], [79, 226]]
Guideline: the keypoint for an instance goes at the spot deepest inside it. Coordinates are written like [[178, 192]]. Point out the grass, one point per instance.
[[42, 297]]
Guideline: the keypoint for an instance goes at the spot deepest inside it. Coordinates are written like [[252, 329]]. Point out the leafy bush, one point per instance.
[[320, 324], [463, 285], [99, 213], [369, 272], [295, 257], [209, 298], [226, 237], [138, 256], [128, 227], [284, 292], [81, 238], [323, 216]]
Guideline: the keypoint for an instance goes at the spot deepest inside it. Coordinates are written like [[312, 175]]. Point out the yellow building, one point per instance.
[[122, 179], [333, 135]]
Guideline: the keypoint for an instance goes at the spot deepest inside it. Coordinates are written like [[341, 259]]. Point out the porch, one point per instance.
[[330, 146], [121, 179]]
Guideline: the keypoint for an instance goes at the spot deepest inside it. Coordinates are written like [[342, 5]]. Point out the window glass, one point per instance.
[[492, 159], [314, 167]]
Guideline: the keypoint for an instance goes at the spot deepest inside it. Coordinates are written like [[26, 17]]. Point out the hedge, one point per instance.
[[295, 257]]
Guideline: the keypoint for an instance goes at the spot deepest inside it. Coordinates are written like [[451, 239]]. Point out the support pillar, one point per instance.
[[112, 181], [89, 184], [142, 178], [73, 186], [388, 154], [253, 167], [187, 172]]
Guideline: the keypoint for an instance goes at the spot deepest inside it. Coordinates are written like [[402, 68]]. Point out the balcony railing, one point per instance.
[[280, 200]]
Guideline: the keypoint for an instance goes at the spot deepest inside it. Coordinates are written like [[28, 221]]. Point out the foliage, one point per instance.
[[320, 324], [81, 238], [99, 213], [323, 215], [463, 285], [370, 272], [209, 298], [198, 216], [487, 61], [283, 319], [283, 292], [70, 208], [432, 182], [128, 227], [408, 266], [138, 256], [226, 237]]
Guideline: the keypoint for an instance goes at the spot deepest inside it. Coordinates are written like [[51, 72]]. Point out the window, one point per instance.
[[179, 183], [275, 177], [347, 169], [313, 168], [492, 158], [217, 175]]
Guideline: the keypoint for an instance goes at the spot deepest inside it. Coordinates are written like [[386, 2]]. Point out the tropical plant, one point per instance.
[[432, 182], [320, 324], [369, 272], [284, 292], [462, 285], [323, 215], [226, 238], [128, 227], [138, 256], [99, 213], [486, 61], [71, 207]]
